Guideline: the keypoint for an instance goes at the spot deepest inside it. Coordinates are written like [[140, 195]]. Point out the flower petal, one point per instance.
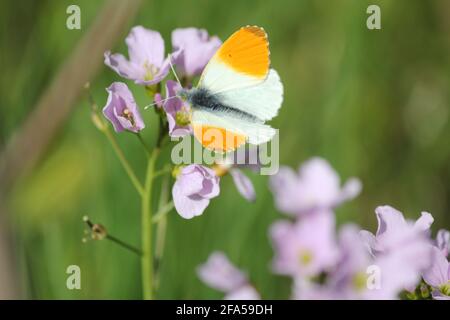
[[243, 184], [188, 206], [351, 189], [123, 67], [389, 219], [424, 222], [246, 292], [284, 187], [190, 182], [443, 241], [145, 47], [437, 273], [198, 49], [219, 273]]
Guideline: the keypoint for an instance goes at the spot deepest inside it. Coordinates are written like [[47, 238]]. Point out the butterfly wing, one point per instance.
[[241, 61], [239, 76], [262, 100], [225, 133]]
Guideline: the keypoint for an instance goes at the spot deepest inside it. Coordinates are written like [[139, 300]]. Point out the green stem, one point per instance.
[[146, 225], [163, 171], [123, 160], [162, 212], [163, 209], [124, 245], [147, 149]]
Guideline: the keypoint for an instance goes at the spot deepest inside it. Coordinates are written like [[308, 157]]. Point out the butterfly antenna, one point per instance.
[[160, 101], [173, 69]]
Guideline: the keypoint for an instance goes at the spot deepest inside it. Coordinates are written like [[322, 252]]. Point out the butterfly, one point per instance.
[[236, 94]]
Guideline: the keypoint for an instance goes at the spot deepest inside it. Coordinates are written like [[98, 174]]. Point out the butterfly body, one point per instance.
[[201, 99], [236, 94]]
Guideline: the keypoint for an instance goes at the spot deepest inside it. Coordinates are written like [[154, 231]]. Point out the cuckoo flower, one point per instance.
[[219, 273], [350, 276], [178, 112], [438, 275], [305, 248], [360, 275], [121, 109], [193, 189], [402, 246], [314, 187], [443, 241], [348, 279], [197, 49], [146, 64], [396, 233]]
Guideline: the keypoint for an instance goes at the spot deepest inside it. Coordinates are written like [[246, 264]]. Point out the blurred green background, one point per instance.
[[373, 103]]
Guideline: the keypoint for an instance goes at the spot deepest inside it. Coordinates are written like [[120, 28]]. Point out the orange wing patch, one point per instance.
[[218, 139], [247, 51]]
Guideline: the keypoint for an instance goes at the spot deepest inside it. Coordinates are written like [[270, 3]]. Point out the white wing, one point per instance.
[[218, 77], [262, 100], [255, 132]]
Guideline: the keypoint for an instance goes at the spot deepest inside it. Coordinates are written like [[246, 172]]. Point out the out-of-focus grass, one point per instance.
[[374, 103]]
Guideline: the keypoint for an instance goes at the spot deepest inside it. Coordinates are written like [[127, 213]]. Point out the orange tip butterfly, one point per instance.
[[237, 93]]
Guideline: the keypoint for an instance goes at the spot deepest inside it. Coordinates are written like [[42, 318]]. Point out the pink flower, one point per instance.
[[305, 248], [178, 112], [315, 186], [360, 275], [400, 246], [232, 164], [438, 275], [146, 64], [197, 49], [394, 232], [219, 273], [121, 109], [443, 241], [193, 189]]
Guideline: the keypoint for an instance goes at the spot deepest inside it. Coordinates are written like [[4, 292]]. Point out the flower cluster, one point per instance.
[[400, 259], [148, 66], [324, 262]]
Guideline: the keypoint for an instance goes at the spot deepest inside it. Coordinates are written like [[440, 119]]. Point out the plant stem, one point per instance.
[[123, 160], [146, 225], [163, 209], [124, 245], [101, 124], [162, 212], [163, 171], [99, 232], [147, 149]]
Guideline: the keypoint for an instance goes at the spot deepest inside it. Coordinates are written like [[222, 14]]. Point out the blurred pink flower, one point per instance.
[[394, 232], [316, 186], [146, 64], [197, 49], [360, 275], [193, 189], [243, 184], [232, 164], [121, 109], [219, 273], [443, 241], [438, 275], [403, 247], [305, 248]]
